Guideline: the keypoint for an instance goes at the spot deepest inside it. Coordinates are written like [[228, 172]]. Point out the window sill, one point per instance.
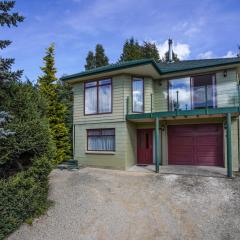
[[100, 152]]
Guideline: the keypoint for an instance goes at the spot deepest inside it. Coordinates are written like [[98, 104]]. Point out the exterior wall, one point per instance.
[[160, 95], [114, 160], [131, 145], [117, 107], [227, 95], [164, 136], [125, 132]]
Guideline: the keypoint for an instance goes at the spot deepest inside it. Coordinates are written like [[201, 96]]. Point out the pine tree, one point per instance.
[[6, 74], [149, 50], [90, 61], [56, 110], [166, 57], [100, 58], [131, 50]]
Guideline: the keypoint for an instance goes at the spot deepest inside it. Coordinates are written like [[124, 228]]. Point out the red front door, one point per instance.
[[144, 146]]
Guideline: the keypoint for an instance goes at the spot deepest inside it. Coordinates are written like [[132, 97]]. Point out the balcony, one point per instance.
[[195, 101]]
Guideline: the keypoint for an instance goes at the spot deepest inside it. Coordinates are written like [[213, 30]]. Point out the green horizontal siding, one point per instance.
[[116, 161], [118, 104]]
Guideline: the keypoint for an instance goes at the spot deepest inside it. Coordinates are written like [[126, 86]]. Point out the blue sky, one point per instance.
[[200, 29]]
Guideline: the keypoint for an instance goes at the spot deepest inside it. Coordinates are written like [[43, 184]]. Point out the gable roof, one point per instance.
[[161, 68]]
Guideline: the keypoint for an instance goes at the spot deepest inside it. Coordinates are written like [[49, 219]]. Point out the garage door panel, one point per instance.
[[207, 140], [199, 144]]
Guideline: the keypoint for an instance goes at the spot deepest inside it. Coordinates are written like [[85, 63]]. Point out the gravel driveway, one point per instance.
[[107, 204]]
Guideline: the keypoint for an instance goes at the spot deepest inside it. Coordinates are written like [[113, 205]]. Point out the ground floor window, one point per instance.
[[101, 139]]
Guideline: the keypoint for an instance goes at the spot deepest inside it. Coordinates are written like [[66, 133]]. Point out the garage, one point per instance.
[[198, 144]]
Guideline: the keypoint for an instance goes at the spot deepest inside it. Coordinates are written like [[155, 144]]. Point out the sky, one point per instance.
[[199, 29]]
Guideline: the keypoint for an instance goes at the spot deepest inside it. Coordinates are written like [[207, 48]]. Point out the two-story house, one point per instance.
[[147, 112]]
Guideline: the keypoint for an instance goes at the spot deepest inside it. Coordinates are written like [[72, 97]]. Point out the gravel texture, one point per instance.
[[107, 204]]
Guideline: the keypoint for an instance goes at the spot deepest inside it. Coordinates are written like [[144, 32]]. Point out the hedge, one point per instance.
[[24, 196]]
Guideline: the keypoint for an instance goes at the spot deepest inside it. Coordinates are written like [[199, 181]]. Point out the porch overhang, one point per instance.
[[218, 112]]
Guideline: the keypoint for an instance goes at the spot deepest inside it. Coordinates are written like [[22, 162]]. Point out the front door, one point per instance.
[[144, 146]]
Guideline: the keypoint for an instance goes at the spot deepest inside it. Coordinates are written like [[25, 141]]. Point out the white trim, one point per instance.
[[100, 152]]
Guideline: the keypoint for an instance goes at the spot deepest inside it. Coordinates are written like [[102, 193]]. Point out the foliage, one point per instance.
[[56, 110], [98, 59], [32, 137], [90, 61], [65, 96], [132, 50], [174, 56], [150, 50], [5, 118], [24, 196]]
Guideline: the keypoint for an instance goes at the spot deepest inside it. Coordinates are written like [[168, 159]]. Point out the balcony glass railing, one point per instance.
[[208, 96]]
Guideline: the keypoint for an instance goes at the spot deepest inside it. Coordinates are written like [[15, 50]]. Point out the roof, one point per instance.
[[162, 68], [195, 64]]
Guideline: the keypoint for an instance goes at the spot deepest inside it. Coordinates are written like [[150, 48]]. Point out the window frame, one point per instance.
[[100, 130], [97, 86], [143, 91]]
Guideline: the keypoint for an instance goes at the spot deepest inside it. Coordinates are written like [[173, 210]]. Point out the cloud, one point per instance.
[[210, 54], [181, 49], [206, 55], [230, 54]]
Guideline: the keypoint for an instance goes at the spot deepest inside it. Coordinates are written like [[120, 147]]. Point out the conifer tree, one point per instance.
[[131, 50], [149, 50], [90, 61], [56, 110], [100, 58], [7, 76]]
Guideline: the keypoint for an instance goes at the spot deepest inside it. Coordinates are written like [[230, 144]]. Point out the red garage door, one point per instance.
[[196, 145]]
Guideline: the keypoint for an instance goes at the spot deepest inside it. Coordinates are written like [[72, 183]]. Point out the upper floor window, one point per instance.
[[192, 92], [98, 96], [137, 95]]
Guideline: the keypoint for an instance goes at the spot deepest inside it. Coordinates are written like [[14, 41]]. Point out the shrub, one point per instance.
[[24, 196]]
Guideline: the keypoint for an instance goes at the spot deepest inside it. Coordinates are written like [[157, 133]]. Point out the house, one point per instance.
[[146, 112]]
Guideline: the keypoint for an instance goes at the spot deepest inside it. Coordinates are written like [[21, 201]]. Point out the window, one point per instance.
[[98, 97], [101, 139], [180, 94], [137, 94], [192, 92], [203, 91]]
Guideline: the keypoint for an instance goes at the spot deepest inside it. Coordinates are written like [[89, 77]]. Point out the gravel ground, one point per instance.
[[106, 204]]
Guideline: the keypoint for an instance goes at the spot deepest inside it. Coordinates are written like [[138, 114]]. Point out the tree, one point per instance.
[[131, 50], [166, 57], [6, 75], [56, 109], [90, 61], [29, 123], [149, 50], [100, 58]]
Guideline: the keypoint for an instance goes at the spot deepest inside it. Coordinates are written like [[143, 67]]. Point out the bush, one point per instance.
[[24, 196]]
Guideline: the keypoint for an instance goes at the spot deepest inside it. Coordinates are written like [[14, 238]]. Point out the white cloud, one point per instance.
[[210, 54], [230, 54], [181, 49], [206, 55]]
